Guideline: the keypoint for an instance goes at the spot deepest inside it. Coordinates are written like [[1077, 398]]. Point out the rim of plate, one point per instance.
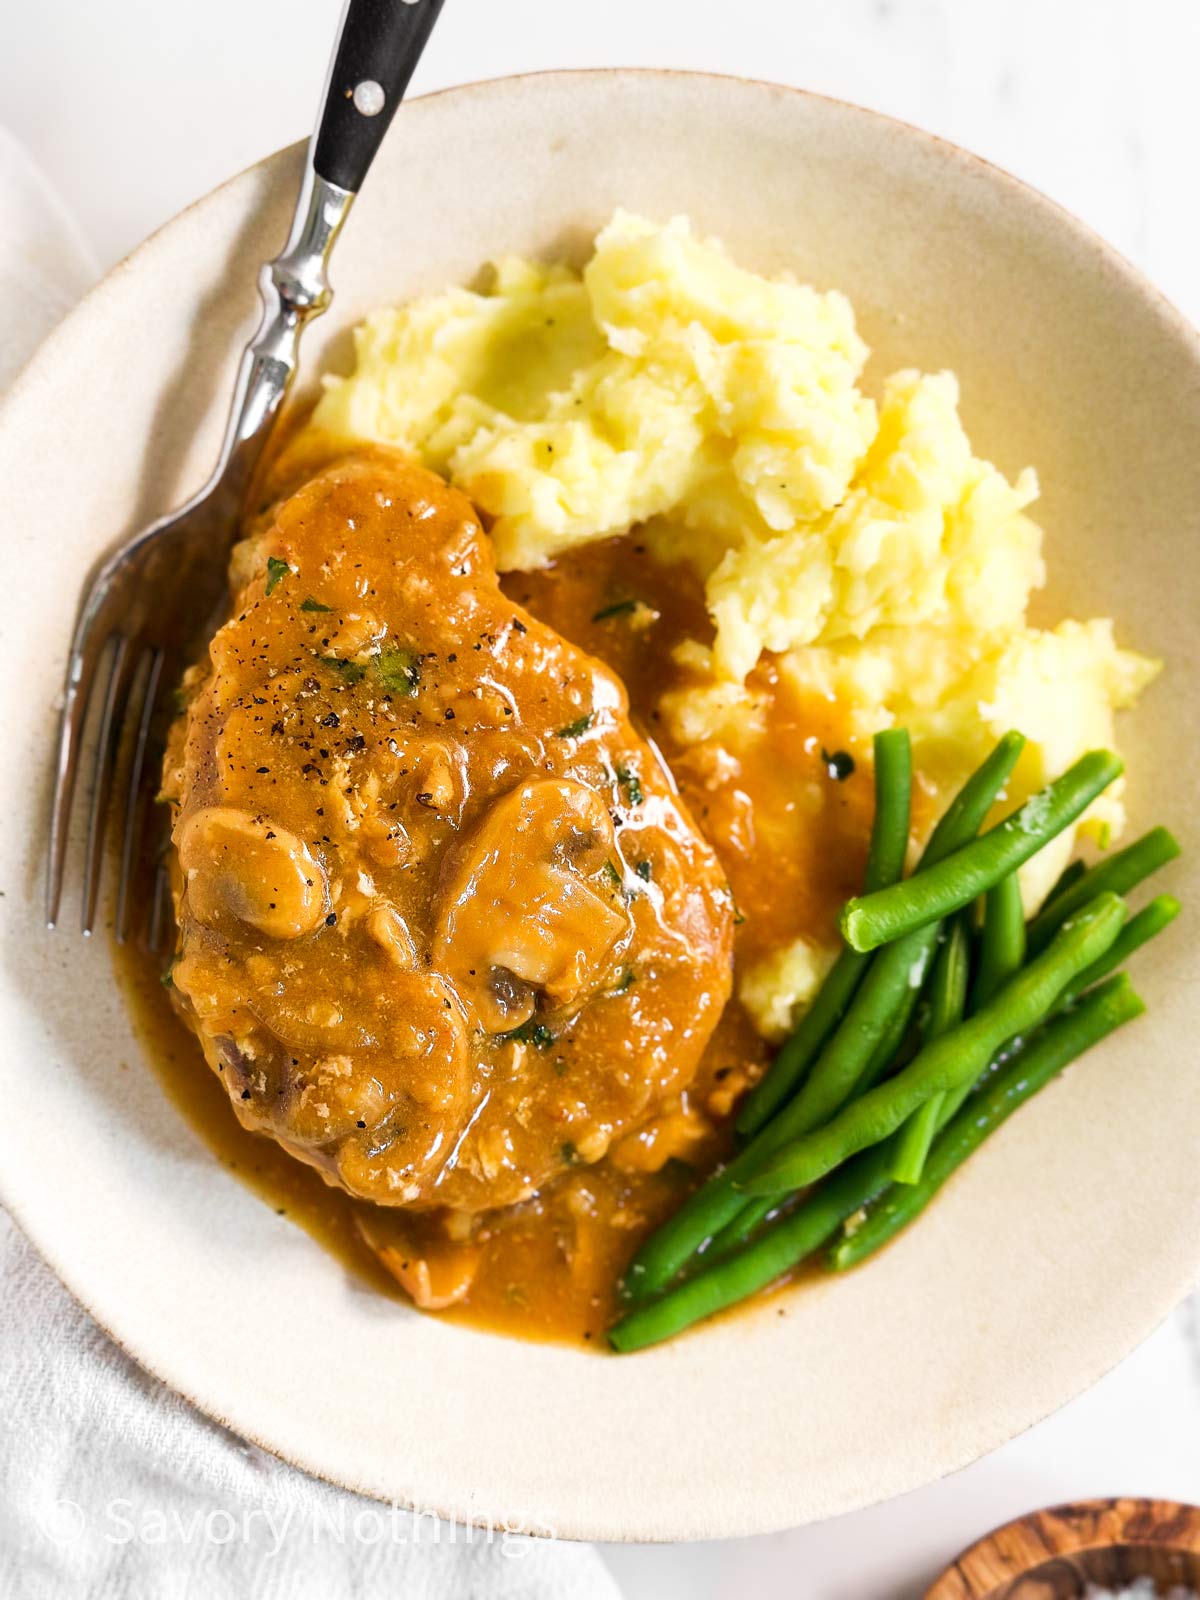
[[154, 1362]]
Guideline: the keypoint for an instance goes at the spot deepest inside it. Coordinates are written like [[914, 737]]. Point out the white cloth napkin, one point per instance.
[[111, 1486]]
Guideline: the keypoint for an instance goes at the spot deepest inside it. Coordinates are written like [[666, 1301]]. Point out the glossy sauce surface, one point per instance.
[[789, 827]]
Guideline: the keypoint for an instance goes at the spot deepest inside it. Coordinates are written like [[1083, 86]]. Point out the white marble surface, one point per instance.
[[135, 107]]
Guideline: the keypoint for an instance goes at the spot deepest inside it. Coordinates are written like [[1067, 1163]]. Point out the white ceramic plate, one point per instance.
[[1062, 1245]]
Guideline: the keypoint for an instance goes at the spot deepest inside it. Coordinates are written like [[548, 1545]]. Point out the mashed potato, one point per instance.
[[926, 533], [957, 693], [869, 548], [664, 382], [783, 984]]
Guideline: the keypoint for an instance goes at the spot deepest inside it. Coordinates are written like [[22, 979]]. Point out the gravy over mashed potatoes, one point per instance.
[[859, 551]]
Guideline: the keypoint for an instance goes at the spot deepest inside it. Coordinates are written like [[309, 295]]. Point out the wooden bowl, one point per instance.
[[1054, 1554], [1062, 1244]]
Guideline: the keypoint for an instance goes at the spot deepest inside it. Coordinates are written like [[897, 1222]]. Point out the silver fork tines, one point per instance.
[[149, 680], [107, 745], [146, 602]]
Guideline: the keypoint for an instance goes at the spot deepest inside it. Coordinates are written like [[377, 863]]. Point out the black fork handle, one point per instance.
[[377, 53]]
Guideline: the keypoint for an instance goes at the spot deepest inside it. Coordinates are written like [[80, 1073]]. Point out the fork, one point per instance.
[[142, 600]]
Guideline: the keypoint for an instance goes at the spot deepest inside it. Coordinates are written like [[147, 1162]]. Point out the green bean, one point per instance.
[[960, 823], [934, 892], [1120, 872], [896, 982], [885, 863], [797, 1052], [947, 1003], [860, 1042], [883, 1057], [965, 814], [1071, 873], [870, 1033], [713, 1206], [1002, 947], [948, 987], [745, 1224], [862, 1182], [892, 981], [958, 1057], [753, 1213], [947, 1105], [1002, 953], [780, 1247], [1150, 920], [719, 1203], [699, 1219], [892, 751], [1030, 1069]]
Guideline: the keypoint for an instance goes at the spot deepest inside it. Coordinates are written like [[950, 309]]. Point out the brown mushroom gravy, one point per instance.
[[458, 920]]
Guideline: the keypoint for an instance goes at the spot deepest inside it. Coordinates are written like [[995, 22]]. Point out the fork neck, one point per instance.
[[294, 288], [299, 277]]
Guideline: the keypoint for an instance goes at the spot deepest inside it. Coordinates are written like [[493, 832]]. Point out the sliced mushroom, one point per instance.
[[534, 900], [242, 868]]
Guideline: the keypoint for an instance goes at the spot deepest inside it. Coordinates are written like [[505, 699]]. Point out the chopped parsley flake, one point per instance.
[[613, 875], [277, 570], [531, 1032], [621, 608], [350, 671], [569, 1153], [645, 870], [399, 670], [311, 605], [632, 785], [574, 730]]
